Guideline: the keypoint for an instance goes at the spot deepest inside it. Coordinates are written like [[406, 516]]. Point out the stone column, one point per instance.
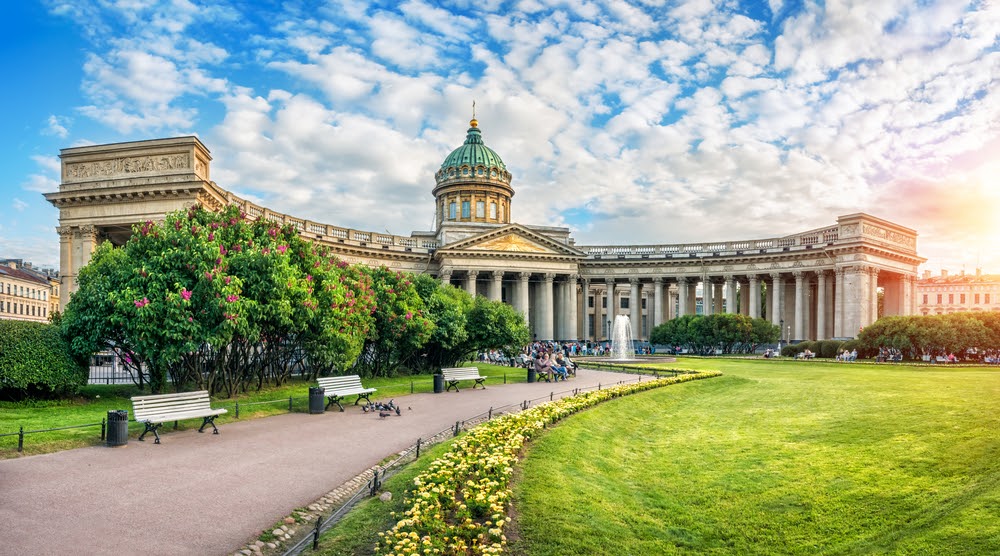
[[873, 284], [545, 322], [671, 310], [744, 293], [754, 297], [523, 300], [774, 292], [445, 276], [496, 285], [730, 294], [682, 296], [857, 304], [67, 272], [657, 301], [470, 282], [716, 298], [838, 307], [800, 306], [586, 312], [635, 308], [821, 305], [707, 303], [571, 305], [612, 310]]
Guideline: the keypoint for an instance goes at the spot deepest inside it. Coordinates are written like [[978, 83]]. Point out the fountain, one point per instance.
[[622, 348]]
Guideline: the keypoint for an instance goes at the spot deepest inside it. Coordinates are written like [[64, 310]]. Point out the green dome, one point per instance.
[[473, 160], [473, 153]]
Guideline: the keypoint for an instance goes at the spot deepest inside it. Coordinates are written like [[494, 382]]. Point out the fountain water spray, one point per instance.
[[622, 348]]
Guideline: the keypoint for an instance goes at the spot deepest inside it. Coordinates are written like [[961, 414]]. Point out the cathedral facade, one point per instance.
[[816, 284]]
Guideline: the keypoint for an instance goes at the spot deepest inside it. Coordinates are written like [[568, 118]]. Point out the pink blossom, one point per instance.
[[273, 232], [190, 319], [227, 279], [177, 225], [211, 236], [215, 225], [222, 250], [309, 277], [265, 251], [282, 248], [185, 294], [141, 302], [409, 315], [232, 298], [208, 275]]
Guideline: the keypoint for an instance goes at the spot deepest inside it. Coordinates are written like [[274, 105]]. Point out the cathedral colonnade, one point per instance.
[[817, 284]]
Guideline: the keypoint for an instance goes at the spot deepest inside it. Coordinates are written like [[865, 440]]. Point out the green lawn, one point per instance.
[[773, 458], [93, 403]]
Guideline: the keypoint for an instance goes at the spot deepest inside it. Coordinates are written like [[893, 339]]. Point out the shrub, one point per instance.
[[828, 349], [791, 350], [35, 361]]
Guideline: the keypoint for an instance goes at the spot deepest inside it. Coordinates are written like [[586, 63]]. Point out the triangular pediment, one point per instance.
[[512, 239]]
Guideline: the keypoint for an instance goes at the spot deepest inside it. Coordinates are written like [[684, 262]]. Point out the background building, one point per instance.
[[942, 294], [817, 284], [26, 293]]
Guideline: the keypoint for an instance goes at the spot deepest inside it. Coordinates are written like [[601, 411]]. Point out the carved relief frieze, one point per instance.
[[798, 264], [879, 232], [125, 166], [849, 230]]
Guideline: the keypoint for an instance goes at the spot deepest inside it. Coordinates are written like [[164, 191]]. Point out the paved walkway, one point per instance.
[[205, 494]]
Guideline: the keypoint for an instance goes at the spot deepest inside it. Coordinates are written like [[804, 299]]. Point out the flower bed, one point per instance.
[[459, 504]]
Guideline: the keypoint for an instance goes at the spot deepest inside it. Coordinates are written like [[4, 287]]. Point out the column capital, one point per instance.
[[609, 280], [657, 280], [873, 270], [497, 275], [523, 276], [798, 274], [549, 277], [753, 278], [727, 277], [633, 280], [775, 275], [682, 280], [472, 273], [572, 278]]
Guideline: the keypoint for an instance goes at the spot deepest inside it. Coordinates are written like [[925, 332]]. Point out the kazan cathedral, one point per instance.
[[821, 283]]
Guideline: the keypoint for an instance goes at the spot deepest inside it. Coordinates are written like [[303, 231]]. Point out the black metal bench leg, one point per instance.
[[479, 382], [365, 396], [209, 421], [452, 384], [151, 427]]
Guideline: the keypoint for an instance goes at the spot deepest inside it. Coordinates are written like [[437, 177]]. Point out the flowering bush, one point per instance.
[[459, 505]]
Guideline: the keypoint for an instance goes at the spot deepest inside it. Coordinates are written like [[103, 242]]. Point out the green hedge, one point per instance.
[[35, 362]]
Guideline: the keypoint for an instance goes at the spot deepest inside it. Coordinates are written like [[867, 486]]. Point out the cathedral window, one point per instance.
[[466, 209], [451, 211], [493, 211], [480, 209]]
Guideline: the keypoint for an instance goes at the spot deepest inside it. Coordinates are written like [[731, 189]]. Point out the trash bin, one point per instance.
[[438, 383], [316, 395], [117, 428], [532, 374]]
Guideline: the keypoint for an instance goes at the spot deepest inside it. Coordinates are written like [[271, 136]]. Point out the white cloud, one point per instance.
[[57, 126], [18, 205]]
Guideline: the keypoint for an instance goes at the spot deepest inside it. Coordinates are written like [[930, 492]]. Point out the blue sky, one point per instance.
[[649, 121]]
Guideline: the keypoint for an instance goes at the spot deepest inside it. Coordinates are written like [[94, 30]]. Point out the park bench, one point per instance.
[[157, 409], [337, 387], [452, 375]]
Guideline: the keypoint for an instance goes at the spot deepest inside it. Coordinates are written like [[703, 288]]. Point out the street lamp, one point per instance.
[[608, 331], [781, 333]]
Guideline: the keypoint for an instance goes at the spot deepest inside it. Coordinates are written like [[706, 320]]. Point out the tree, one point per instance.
[[400, 327], [496, 325]]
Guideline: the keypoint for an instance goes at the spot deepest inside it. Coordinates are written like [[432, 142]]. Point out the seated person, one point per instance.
[[566, 363], [559, 368], [543, 367]]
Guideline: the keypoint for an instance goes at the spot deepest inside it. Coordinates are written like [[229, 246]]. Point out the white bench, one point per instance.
[[154, 410], [454, 374], [336, 387]]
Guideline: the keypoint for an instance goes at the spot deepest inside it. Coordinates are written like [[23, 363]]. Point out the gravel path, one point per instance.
[[205, 494]]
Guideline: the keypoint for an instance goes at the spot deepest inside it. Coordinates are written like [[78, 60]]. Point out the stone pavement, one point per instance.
[[205, 494]]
